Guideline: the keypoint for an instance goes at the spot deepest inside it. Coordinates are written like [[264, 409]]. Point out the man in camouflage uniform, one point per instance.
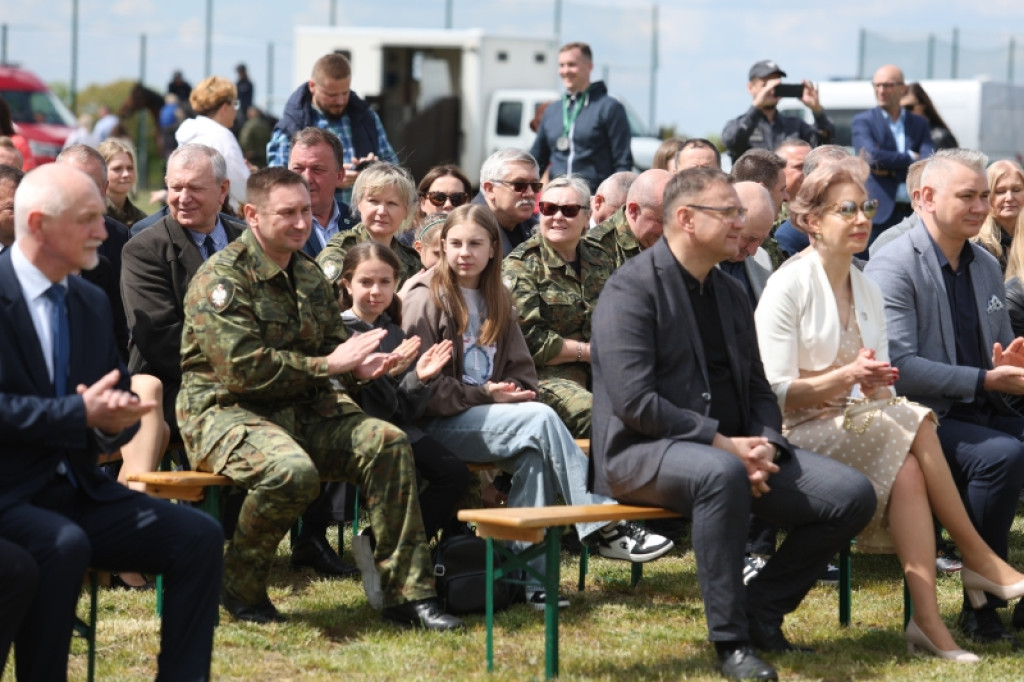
[[267, 366], [555, 301], [638, 224]]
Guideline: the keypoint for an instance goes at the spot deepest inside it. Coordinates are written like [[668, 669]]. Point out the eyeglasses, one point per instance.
[[886, 86], [569, 211], [519, 186], [737, 213], [233, 102], [848, 209], [438, 198]]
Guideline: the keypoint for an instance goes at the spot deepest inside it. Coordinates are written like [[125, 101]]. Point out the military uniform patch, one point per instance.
[[221, 295], [331, 270]]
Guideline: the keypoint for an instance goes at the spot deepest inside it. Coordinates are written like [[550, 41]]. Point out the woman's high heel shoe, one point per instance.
[[916, 639], [976, 586]]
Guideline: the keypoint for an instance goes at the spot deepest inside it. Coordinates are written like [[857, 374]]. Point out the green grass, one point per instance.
[[609, 632]]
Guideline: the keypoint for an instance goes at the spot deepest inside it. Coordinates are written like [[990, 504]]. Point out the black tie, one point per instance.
[[208, 246]]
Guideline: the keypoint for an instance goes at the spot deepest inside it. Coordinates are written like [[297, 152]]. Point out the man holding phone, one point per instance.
[[762, 127]]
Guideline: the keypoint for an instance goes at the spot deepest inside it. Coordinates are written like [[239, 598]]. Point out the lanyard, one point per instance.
[[569, 120]]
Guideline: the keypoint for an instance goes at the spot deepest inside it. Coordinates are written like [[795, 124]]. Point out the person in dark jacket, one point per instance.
[[589, 133], [327, 101], [917, 101]]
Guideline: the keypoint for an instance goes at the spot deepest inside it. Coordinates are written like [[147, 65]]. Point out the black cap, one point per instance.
[[765, 68]]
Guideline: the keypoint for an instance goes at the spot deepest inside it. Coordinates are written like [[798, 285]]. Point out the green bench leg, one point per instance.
[[844, 587], [553, 545]]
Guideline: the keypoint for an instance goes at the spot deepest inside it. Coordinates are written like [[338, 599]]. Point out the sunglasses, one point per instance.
[[910, 107], [519, 186], [569, 211], [848, 209], [438, 198]]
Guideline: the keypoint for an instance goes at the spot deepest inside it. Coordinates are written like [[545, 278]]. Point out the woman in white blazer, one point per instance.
[[821, 332]]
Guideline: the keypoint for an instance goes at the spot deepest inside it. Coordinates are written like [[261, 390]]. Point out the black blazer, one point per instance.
[[158, 264], [38, 429], [651, 385]]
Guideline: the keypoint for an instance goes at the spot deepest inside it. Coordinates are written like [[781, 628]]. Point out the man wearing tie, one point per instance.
[[64, 399]]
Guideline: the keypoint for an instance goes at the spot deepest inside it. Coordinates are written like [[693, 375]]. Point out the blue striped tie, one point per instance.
[[61, 356]]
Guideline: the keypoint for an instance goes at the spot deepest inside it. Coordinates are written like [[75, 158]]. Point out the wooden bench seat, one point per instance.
[[542, 526]]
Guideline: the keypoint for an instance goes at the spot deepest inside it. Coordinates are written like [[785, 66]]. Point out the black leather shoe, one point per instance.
[[1018, 615], [770, 638], [425, 613], [743, 664], [261, 613], [315, 552], [983, 626]]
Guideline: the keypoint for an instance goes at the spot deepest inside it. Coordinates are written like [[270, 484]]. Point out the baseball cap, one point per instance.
[[765, 68]]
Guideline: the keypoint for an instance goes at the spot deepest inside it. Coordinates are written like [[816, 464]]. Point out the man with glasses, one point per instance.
[[327, 101], [509, 185], [318, 156], [589, 134], [684, 419], [890, 138], [751, 265], [951, 340]]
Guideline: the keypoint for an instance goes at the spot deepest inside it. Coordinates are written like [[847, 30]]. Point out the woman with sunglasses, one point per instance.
[[555, 278], [821, 332], [917, 101], [384, 198], [215, 101], [443, 189]]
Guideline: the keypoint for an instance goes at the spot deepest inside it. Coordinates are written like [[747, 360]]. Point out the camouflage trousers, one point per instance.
[[570, 401], [282, 472]]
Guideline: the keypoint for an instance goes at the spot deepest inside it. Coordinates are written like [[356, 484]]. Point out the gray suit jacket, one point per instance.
[[757, 275], [651, 384], [922, 343]]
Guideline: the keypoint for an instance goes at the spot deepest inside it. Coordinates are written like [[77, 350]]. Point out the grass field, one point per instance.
[[655, 631]]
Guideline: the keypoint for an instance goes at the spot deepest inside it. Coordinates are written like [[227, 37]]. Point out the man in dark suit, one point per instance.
[[685, 419], [891, 139], [160, 262], [317, 155], [64, 399]]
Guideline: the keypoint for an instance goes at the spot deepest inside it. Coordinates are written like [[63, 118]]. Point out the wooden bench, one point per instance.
[[542, 526]]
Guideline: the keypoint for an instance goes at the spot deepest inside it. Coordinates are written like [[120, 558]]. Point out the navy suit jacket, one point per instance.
[[312, 247], [871, 134], [38, 429]]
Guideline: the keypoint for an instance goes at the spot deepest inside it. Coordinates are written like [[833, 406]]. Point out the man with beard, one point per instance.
[[327, 101]]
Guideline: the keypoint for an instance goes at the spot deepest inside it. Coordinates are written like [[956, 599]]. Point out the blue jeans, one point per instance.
[[529, 441]]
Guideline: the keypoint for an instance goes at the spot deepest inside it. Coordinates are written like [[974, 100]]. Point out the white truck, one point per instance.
[[449, 96], [982, 114]]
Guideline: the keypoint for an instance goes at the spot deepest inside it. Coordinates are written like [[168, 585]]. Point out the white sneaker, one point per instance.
[[628, 541], [752, 565], [362, 550], [538, 601]]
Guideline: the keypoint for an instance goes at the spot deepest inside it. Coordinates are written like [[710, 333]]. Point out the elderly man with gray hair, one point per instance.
[[792, 241], [509, 185]]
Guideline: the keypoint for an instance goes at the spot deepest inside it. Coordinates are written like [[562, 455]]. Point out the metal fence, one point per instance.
[[957, 54]]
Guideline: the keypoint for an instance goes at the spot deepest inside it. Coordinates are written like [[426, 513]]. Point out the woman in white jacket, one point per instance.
[[821, 332], [215, 101]]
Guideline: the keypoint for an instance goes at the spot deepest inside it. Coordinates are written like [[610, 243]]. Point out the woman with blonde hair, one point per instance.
[[821, 329], [385, 199], [1005, 199], [120, 157], [215, 101]]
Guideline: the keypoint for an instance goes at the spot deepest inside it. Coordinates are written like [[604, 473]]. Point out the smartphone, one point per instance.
[[795, 90]]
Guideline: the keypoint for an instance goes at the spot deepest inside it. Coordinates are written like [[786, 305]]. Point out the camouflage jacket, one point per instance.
[[332, 258], [255, 341], [615, 238], [554, 302]]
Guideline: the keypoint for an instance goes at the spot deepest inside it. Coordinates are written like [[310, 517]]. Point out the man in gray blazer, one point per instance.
[[950, 338], [685, 419]]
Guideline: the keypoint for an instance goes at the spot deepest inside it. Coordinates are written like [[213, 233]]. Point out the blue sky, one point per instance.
[[706, 46]]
